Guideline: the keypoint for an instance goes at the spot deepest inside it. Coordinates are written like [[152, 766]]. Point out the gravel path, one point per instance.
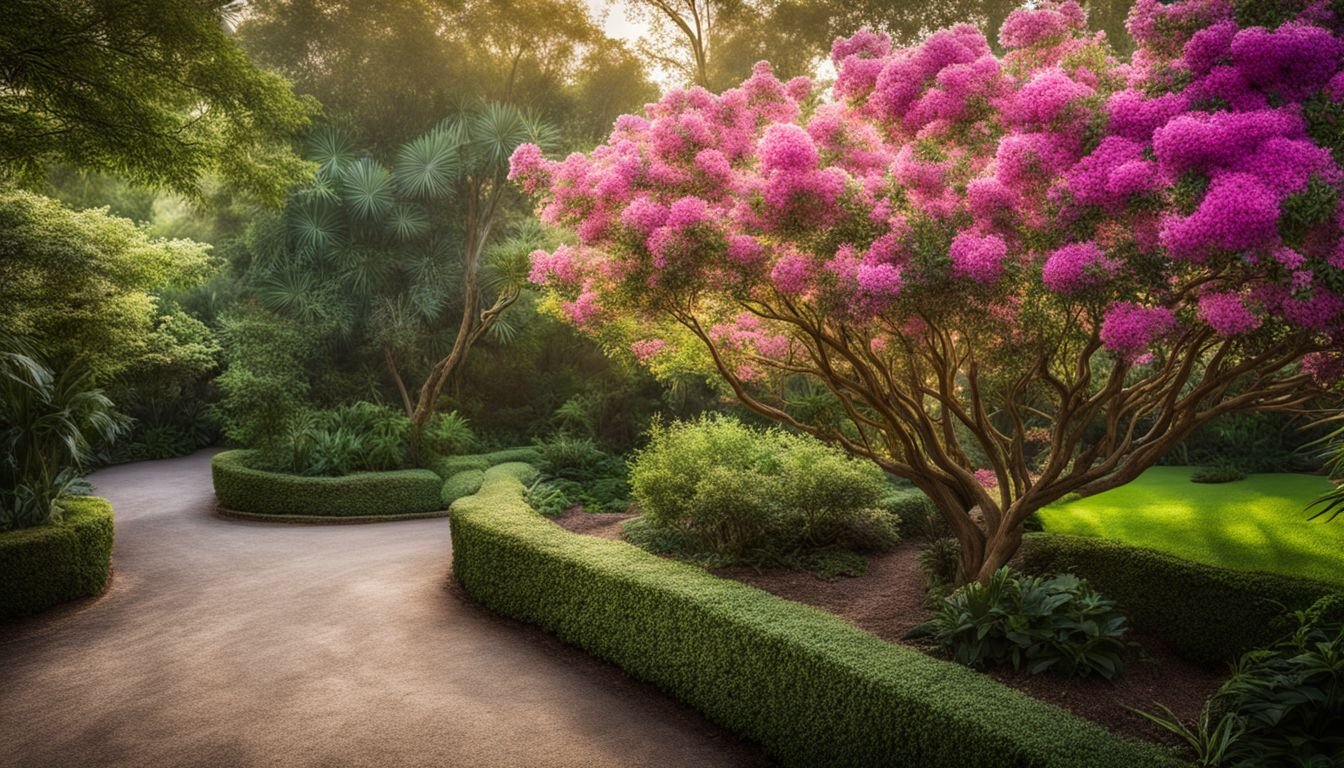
[[229, 643]]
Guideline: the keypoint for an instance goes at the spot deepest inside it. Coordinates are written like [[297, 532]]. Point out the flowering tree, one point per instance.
[[1020, 277]]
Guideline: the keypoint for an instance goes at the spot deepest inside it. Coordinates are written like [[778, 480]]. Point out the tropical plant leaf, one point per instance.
[[408, 221], [368, 188], [427, 167]]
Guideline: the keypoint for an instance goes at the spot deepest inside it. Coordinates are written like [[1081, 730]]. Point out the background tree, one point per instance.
[[389, 70], [1017, 280], [405, 260], [154, 91], [85, 284]]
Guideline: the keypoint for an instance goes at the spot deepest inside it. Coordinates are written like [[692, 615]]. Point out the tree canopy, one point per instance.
[[1017, 276], [82, 284], [158, 92]]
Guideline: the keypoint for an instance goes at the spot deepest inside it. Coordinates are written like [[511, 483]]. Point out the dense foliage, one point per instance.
[[83, 283], [1022, 260], [157, 91], [811, 689], [758, 496], [1034, 624], [50, 425], [1283, 705]]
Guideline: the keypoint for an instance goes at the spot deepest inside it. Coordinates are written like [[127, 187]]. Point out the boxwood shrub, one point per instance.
[[460, 484], [1207, 614], [50, 564], [811, 689], [447, 466], [241, 488]]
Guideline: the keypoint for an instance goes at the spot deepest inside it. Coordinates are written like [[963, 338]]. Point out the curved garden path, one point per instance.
[[227, 643]]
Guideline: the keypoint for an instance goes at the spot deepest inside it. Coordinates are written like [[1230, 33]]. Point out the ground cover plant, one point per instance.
[[1012, 272], [1256, 524]]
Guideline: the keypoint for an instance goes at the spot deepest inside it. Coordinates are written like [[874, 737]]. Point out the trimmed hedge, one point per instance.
[[51, 564], [461, 484], [813, 690], [1207, 614], [362, 494], [447, 466]]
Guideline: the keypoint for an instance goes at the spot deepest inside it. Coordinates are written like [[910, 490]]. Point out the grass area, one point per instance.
[[1256, 524]]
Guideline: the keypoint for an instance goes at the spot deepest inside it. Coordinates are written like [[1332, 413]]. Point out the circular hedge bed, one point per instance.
[[241, 488], [50, 564]]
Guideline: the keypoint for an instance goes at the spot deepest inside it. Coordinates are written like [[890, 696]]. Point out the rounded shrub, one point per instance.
[[242, 488], [66, 559], [1217, 473], [757, 495]]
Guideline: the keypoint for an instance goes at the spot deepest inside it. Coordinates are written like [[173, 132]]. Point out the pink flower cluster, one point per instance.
[[1128, 328], [1078, 267], [1160, 193]]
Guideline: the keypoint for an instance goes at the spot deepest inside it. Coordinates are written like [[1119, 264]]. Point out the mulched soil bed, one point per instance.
[[888, 601]]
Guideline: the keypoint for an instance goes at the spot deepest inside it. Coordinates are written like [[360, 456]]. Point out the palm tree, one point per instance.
[[409, 255]]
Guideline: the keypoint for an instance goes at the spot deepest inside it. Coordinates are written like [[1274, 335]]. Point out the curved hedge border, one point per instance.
[[51, 564], [241, 488], [1207, 614], [813, 690]]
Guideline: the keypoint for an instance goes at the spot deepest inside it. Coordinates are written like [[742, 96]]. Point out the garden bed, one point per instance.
[[51, 564], [367, 496], [888, 601]]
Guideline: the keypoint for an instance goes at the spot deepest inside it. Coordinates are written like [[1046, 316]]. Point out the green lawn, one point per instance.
[[1256, 524]]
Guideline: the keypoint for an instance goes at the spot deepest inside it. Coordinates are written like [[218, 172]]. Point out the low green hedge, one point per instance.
[[51, 564], [364, 494], [447, 466], [1207, 614], [811, 689], [460, 484]]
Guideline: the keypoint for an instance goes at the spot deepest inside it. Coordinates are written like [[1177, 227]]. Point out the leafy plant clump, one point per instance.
[[577, 472], [1035, 624], [360, 437], [50, 423], [1218, 473], [1282, 706], [760, 497]]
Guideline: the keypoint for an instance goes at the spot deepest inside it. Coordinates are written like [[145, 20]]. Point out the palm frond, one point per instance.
[[427, 167], [331, 149], [368, 188], [315, 227], [408, 221]]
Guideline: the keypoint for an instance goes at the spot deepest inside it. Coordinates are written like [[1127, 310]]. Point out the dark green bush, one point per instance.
[[1207, 614], [940, 563], [63, 560], [1283, 707], [242, 488], [1217, 473], [359, 437], [1034, 624], [576, 458], [448, 434], [811, 689], [759, 496]]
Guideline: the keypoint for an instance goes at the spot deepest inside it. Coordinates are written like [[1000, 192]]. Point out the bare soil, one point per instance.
[[888, 600]]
